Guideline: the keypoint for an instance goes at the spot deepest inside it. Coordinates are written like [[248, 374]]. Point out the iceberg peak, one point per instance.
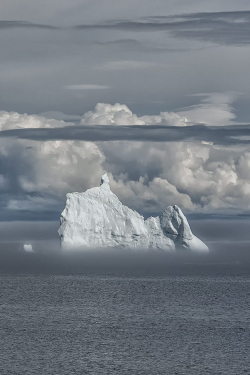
[[96, 218], [105, 179]]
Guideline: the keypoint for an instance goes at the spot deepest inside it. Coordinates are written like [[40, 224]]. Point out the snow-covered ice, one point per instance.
[[28, 248], [96, 218]]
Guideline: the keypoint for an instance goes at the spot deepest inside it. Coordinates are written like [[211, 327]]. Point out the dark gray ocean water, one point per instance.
[[172, 324]]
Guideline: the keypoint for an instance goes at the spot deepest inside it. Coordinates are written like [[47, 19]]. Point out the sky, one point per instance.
[[155, 93]]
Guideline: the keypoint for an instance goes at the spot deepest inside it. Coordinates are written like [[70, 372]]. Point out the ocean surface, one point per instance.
[[103, 324]]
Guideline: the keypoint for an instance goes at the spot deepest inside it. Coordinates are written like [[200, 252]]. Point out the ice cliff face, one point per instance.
[[96, 218]]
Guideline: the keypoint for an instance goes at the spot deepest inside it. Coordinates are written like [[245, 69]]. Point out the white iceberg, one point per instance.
[[28, 248], [96, 218]]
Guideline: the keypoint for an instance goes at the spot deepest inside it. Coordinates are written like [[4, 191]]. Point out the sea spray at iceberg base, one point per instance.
[[97, 219]]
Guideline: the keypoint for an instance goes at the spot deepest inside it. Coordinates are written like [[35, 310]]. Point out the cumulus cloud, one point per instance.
[[120, 114], [214, 109], [14, 120], [36, 176], [198, 176]]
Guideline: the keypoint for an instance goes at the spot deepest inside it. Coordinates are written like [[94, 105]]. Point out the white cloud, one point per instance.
[[36, 175], [146, 176], [215, 109], [120, 114], [14, 120], [200, 178]]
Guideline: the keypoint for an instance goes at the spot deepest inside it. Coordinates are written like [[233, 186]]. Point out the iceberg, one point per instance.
[[28, 248], [97, 219]]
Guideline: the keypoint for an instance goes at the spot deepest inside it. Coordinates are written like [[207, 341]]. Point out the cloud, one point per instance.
[[214, 109], [218, 27], [70, 57], [234, 136], [223, 135], [120, 42], [227, 28], [204, 169], [57, 115], [201, 178], [87, 87], [120, 114], [14, 120], [129, 65], [35, 176], [14, 24]]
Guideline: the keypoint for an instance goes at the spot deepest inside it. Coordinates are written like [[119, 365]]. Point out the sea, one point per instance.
[[192, 320]]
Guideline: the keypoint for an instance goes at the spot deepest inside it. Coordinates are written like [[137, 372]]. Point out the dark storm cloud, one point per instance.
[[219, 27], [223, 135], [15, 24]]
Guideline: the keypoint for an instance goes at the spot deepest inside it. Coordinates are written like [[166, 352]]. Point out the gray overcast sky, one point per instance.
[[75, 11], [165, 62], [152, 64]]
